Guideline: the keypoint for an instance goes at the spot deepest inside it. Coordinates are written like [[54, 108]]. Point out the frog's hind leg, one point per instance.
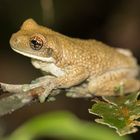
[[114, 83], [127, 86]]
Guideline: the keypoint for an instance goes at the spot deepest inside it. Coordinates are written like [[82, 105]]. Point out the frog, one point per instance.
[[82, 67]]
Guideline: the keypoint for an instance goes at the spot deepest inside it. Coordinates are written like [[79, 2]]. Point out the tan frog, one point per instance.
[[83, 67]]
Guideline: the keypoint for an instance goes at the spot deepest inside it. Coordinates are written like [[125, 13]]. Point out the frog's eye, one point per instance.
[[36, 43]]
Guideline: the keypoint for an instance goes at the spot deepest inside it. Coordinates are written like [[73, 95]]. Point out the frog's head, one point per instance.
[[36, 42]]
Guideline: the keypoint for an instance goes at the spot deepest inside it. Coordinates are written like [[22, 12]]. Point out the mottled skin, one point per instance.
[[84, 67]]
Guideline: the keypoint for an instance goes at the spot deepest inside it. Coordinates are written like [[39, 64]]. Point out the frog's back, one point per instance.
[[99, 57]]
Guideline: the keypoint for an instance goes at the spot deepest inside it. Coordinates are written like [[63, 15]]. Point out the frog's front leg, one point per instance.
[[44, 82], [41, 81], [74, 75]]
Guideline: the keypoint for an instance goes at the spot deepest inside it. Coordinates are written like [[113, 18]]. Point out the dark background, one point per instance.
[[116, 23]]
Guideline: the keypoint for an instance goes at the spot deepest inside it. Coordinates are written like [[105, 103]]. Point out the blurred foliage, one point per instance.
[[62, 125]]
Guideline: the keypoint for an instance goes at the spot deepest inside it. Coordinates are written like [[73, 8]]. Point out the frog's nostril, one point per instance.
[[14, 41]]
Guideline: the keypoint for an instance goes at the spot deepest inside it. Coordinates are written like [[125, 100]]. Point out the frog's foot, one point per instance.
[[49, 87], [48, 95], [44, 82], [78, 92], [119, 89], [41, 81], [43, 96]]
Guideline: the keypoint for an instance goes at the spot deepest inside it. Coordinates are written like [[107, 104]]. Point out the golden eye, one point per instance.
[[36, 43]]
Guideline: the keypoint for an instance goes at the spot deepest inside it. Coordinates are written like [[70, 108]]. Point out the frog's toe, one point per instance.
[[42, 98], [25, 87], [119, 90]]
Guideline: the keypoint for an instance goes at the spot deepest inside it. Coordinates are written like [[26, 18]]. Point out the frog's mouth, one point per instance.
[[47, 59]]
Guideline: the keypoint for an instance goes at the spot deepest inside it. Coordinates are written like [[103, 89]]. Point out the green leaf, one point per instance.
[[120, 113], [65, 126]]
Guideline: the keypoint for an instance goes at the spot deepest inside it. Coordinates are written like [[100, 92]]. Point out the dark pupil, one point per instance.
[[36, 45]]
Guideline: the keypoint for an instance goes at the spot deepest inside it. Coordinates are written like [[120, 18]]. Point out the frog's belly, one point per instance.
[[53, 69], [48, 67]]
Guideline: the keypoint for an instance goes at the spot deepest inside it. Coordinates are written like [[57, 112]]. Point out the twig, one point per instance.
[[13, 102], [20, 96]]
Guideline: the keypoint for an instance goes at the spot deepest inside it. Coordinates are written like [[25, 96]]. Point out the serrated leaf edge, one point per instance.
[[134, 129]]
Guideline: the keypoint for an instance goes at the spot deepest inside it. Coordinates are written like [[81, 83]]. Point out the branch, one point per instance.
[[19, 96]]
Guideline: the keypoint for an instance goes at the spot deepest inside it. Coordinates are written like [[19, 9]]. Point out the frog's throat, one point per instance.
[[45, 59]]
